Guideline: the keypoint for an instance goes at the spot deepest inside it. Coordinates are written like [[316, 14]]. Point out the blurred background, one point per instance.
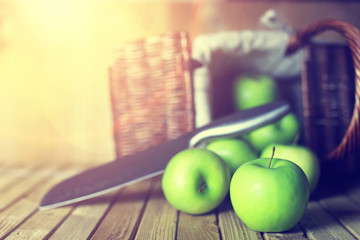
[[55, 55]]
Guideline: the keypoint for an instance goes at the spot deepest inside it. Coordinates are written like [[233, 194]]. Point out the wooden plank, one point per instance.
[[84, 218], [353, 191], [345, 210], [24, 207], [21, 187], [123, 218], [9, 177], [293, 234], [197, 227], [160, 218], [318, 224], [41, 224], [231, 227]]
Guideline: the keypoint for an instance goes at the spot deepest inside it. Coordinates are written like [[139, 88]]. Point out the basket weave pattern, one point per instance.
[[351, 139], [151, 92]]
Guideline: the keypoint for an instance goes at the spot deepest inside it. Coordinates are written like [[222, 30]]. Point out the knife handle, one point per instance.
[[240, 122]]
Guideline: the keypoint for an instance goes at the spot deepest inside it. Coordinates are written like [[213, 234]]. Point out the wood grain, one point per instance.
[[231, 226], [160, 219], [345, 210], [293, 234], [197, 227], [83, 219], [140, 211], [24, 207], [21, 187], [40, 224], [318, 224], [123, 218]]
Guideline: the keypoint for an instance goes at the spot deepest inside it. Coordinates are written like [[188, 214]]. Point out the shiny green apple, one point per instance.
[[283, 131], [269, 199], [254, 90], [234, 152], [301, 156], [196, 181]]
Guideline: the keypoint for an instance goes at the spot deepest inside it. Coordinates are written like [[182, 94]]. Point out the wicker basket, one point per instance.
[[330, 110], [152, 95], [151, 92]]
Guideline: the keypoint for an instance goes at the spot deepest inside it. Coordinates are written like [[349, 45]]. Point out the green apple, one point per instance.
[[233, 151], [254, 90], [283, 131], [196, 181], [269, 199], [301, 156]]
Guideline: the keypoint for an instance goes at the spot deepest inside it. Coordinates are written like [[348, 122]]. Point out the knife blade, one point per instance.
[[152, 161]]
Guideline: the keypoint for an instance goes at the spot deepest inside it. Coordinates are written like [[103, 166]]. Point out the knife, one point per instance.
[[152, 161]]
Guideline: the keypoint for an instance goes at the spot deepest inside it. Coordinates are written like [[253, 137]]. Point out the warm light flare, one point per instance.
[[54, 59]]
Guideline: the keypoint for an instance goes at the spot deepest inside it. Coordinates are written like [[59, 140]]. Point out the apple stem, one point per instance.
[[202, 187], [272, 155]]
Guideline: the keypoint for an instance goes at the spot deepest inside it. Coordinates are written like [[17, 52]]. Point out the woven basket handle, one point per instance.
[[351, 34]]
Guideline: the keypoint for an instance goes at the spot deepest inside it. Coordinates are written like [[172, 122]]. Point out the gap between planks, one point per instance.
[[168, 222], [24, 205]]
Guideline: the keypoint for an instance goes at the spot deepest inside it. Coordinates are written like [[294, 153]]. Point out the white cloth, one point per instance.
[[261, 51]]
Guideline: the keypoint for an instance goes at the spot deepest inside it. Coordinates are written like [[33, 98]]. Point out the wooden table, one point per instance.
[[141, 212]]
